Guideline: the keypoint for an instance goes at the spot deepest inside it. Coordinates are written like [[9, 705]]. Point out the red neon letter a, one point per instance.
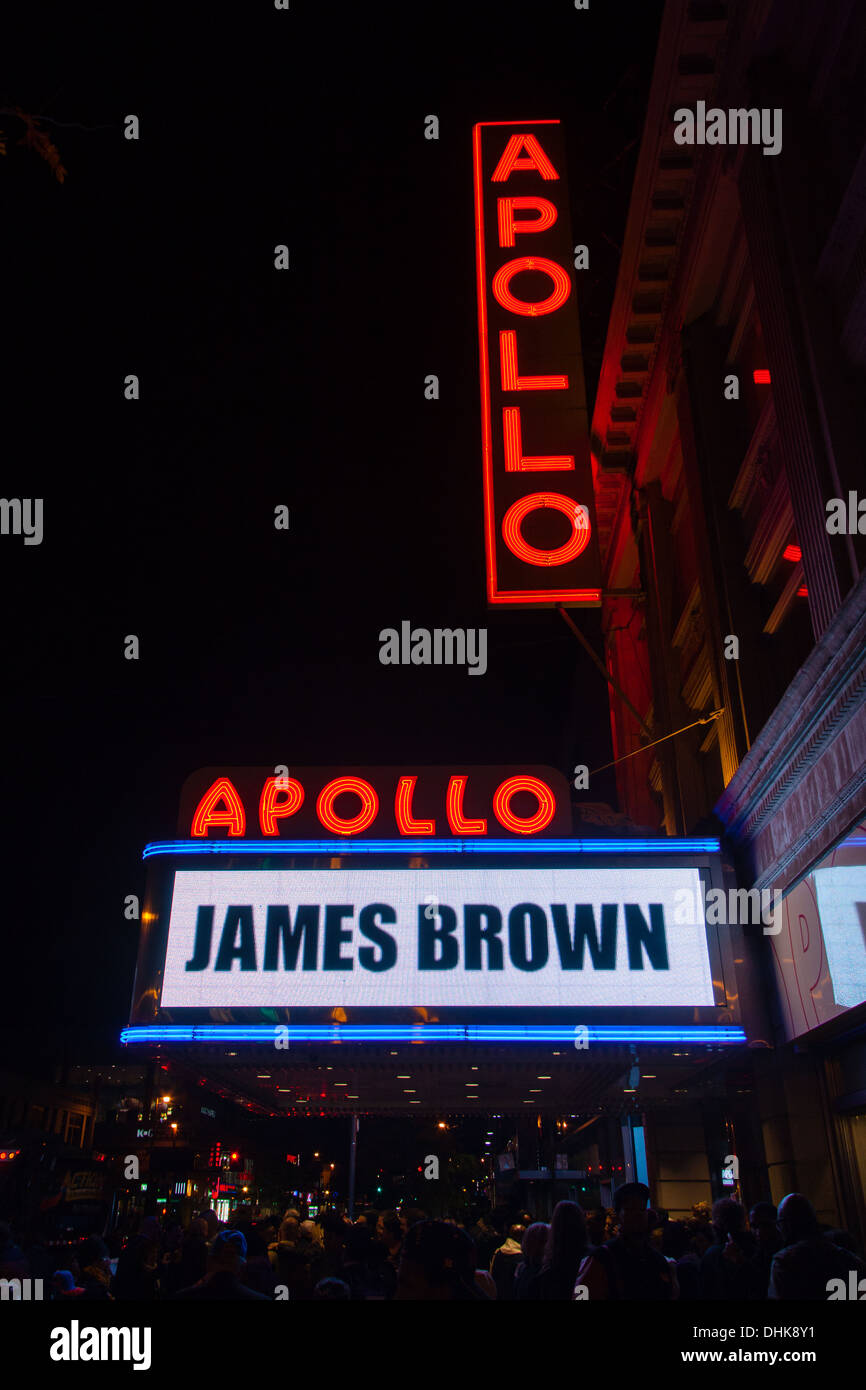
[[512, 159], [206, 815]]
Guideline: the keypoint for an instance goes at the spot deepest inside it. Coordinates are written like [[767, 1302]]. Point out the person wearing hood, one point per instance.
[[506, 1260]]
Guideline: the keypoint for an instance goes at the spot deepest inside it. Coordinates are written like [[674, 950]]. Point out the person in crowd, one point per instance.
[[212, 1222], [808, 1260], [628, 1267], [331, 1290], [677, 1247], [193, 1256], [596, 1225], [532, 1247], [357, 1268], [486, 1237], [410, 1216], [845, 1241], [566, 1247], [768, 1242], [700, 1235], [728, 1269], [437, 1264], [63, 1288], [293, 1261], [258, 1271], [287, 1236], [506, 1258], [95, 1267], [136, 1278], [226, 1261], [333, 1228], [389, 1235]]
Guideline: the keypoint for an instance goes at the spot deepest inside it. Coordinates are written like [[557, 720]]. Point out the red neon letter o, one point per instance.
[[503, 277], [519, 510], [365, 817], [531, 824]]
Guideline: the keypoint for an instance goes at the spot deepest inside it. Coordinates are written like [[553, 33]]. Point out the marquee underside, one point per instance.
[[424, 1079]]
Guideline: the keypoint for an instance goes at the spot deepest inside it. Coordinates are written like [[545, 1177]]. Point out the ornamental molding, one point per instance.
[[820, 702]]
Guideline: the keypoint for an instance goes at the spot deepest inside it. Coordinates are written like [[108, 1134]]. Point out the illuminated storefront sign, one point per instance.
[[301, 905], [539, 512], [238, 803], [486, 937]]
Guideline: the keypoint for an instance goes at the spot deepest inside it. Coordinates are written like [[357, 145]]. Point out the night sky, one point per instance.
[[304, 388]]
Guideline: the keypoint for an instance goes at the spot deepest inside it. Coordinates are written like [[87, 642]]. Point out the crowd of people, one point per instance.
[[627, 1252]]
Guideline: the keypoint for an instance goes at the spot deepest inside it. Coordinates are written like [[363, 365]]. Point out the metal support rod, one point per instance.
[[715, 714], [353, 1154], [604, 671]]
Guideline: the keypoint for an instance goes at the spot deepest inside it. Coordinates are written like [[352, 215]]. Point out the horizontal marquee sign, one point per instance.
[[539, 513], [409, 938], [270, 1035], [424, 803]]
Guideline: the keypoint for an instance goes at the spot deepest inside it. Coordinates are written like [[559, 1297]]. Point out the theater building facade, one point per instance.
[[727, 453], [447, 943]]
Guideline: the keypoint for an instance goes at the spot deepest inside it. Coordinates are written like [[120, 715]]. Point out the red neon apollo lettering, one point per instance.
[[516, 461], [271, 810], [518, 512], [508, 228], [511, 379], [459, 823], [535, 158], [282, 797], [206, 814], [510, 430], [524, 825], [407, 823], [528, 307], [365, 817]]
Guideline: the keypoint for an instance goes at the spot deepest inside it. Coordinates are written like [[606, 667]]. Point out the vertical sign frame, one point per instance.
[[539, 511]]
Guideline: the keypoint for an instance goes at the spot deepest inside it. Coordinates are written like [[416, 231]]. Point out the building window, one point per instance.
[[75, 1130]]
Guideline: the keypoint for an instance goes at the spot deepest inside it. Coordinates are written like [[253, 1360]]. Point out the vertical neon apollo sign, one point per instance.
[[539, 516]]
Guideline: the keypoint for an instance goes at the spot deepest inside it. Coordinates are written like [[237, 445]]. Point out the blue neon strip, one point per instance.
[[429, 1032], [663, 845]]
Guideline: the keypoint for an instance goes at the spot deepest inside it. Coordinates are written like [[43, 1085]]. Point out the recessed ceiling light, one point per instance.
[[471, 1083], [542, 1078], [341, 1083], [407, 1091]]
